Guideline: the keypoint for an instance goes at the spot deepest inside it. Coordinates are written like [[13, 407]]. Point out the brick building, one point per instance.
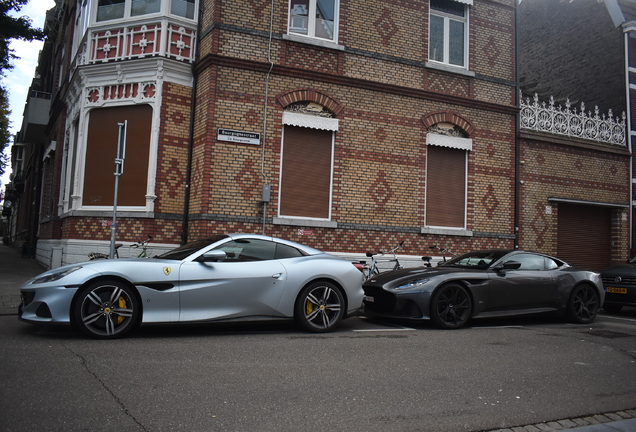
[[348, 126], [574, 138]]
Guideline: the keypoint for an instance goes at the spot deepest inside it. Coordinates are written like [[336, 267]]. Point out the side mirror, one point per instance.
[[213, 255], [508, 265]]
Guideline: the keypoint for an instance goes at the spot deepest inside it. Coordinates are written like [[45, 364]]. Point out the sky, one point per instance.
[[18, 80]]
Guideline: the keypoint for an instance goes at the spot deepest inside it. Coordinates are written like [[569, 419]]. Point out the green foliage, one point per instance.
[[14, 27], [11, 27]]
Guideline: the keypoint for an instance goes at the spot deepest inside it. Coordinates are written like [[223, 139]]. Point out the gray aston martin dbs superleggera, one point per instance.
[[489, 283], [229, 277]]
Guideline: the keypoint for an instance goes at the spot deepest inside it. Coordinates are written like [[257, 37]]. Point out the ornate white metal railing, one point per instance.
[[543, 117]]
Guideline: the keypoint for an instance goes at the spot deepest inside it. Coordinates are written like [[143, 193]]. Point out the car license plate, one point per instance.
[[616, 290], [369, 299]]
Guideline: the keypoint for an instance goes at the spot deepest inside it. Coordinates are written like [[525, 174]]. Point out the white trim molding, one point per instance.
[[310, 121], [449, 141]]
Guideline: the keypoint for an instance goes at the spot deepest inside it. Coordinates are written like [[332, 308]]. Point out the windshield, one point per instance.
[[188, 249], [476, 260]]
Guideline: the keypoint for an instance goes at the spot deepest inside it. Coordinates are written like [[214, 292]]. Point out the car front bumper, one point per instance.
[[49, 305]]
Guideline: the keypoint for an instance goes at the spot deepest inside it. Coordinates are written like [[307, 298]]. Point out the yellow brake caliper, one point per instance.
[[122, 305], [309, 307]]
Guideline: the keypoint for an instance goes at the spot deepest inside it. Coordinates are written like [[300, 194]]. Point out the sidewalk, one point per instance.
[[14, 271]]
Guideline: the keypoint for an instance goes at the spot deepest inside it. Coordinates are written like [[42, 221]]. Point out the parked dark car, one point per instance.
[[488, 283], [620, 286]]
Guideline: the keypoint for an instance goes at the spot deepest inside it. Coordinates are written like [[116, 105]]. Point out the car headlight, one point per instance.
[[55, 276], [412, 284]]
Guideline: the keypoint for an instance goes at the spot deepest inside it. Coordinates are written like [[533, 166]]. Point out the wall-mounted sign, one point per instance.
[[238, 136]]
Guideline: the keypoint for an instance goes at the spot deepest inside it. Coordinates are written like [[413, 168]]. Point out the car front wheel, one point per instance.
[[583, 305], [106, 309], [450, 306], [319, 307]]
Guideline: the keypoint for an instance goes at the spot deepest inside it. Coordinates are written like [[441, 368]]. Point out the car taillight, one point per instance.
[[358, 266]]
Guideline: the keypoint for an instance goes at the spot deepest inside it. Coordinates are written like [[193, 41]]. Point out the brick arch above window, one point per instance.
[[310, 95], [448, 117]]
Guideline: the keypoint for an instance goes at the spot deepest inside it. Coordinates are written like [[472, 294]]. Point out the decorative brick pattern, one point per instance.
[[386, 27]]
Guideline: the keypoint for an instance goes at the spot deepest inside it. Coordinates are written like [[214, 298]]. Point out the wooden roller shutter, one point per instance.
[[101, 151], [445, 187], [306, 173], [584, 235]]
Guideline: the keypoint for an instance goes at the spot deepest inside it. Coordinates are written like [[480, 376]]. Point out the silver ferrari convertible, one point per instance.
[[233, 277]]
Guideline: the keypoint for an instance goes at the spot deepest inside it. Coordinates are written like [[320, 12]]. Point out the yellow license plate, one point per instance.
[[616, 290]]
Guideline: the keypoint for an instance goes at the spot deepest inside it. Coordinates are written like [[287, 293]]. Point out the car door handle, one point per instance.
[[277, 275]]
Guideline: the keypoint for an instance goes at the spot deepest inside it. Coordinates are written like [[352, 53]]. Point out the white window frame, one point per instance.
[[311, 23], [447, 18]]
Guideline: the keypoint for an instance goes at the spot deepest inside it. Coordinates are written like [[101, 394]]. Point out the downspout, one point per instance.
[[517, 131], [628, 137], [266, 186], [193, 98]]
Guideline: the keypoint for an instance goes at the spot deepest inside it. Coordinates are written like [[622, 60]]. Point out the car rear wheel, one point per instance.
[[450, 306], [106, 309], [319, 307], [583, 305], [613, 308]]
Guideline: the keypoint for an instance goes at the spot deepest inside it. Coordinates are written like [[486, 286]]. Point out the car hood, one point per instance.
[[620, 270]]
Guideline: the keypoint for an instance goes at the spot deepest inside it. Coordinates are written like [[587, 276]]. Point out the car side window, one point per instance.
[[284, 251], [551, 264], [248, 250], [529, 261]]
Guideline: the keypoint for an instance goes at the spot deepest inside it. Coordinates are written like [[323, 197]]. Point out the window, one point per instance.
[[248, 250], [448, 30], [306, 170], [445, 187], [314, 18], [110, 9], [284, 251], [101, 151], [118, 9], [143, 7], [183, 8], [530, 261]]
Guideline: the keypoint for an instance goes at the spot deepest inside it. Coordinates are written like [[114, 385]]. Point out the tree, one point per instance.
[[11, 27]]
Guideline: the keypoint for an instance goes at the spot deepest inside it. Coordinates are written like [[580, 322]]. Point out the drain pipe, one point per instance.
[[517, 131], [266, 185], [193, 98], [628, 138]]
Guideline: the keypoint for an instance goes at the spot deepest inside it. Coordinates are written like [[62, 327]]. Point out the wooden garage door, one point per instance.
[[584, 235]]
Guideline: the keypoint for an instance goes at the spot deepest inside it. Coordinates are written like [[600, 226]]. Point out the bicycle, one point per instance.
[[141, 244], [373, 269], [444, 251]]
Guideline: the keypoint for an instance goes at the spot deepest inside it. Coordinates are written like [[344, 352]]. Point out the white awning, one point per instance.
[[468, 2], [449, 141], [310, 121]]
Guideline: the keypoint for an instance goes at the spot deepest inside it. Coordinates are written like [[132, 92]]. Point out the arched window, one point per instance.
[[306, 172], [446, 176]]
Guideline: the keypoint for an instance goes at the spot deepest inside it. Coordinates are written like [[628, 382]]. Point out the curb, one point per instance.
[[619, 421]]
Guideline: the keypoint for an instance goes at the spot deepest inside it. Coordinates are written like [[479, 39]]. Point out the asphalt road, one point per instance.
[[366, 376]]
